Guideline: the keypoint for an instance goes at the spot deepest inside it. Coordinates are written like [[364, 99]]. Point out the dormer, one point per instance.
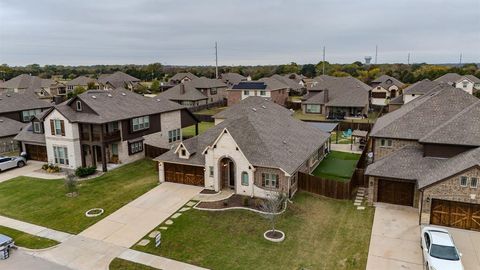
[[182, 151]]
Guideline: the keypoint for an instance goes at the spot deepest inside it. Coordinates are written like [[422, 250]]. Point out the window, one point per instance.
[[79, 106], [463, 181], [140, 123], [28, 115], [473, 182], [114, 149], [465, 84], [246, 92], [386, 142], [57, 127], [136, 147], [174, 135], [70, 87], [244, 179], [37, 127], [313, 108], [210, 171], [61, 155], [263, 93], [184, 152], [213, 91], [270, 180]]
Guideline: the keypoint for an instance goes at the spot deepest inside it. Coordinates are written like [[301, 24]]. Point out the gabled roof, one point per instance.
[[274, 84], [181, 75], [81, 80], [25, 81], [232, 78], [245, 107], [287, 81], [116, 78], [203, 83], [295, 77], [342, 91], [417, 118], [386, 81], [189, 93], [9, 127], [266, 138], [27, 135], [27, 100], [115, 105], [449, 78], [420, 87], [397, 100], [471, 78]]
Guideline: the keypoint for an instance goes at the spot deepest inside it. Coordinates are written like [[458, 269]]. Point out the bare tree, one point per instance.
[[271, 206], [71, 185]]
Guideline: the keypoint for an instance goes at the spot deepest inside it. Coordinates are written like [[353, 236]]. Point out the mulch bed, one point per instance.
[[208, 191], [274, 235], [233, 201]]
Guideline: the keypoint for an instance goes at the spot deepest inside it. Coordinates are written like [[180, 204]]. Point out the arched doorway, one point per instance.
[[227, 173]]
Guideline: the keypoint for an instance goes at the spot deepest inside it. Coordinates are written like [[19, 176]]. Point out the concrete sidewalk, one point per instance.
[[156, 261], [34, 229]]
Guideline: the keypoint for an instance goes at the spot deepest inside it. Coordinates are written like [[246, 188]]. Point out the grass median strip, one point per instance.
[[26, 240]]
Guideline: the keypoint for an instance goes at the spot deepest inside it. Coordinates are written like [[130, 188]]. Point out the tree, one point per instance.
[[309, 70], [71, 185], [155, 86], [271, 206], [90, 85], [340, 74], [76, 91]]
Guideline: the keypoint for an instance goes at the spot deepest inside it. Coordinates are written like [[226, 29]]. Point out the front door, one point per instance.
[[227, 173]]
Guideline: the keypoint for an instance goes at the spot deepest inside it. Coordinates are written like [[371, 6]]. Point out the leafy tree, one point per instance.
[[76, 91], [155, 86], [340, 74], [309, 70], [90, 85]]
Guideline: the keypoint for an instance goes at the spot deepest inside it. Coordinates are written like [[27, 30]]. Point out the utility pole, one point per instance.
[[460, 59], [408, 59], [376, 53], [323, 62], [216, 61]]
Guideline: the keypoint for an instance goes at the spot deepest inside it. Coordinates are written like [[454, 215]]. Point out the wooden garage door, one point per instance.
[[184, 174], [36, 152], [395, 192], [455, 214]]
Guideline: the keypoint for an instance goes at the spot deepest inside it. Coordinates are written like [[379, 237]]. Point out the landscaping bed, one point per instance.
[[26, 240], [320, 233], [233, 201], [337, 165]]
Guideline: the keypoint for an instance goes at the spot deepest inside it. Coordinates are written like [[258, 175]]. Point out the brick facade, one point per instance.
[[233, 97], [279, 96], [283, 180], [382, 151]]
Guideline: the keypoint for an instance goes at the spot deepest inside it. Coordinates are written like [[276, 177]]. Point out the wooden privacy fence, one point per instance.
[[153, 151], [220, 103], [325, 187]]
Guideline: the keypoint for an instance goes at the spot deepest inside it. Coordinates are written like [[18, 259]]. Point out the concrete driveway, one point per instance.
[[21, 260], [25, 170], [395, 240], [468, 243]]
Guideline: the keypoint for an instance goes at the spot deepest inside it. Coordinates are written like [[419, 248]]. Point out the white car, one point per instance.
[[11, 162], [439, 251]]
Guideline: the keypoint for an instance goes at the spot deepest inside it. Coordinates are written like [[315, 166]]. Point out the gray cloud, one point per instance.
[[248, 32]]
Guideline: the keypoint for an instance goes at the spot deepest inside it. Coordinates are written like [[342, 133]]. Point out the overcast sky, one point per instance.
[[183, 32]]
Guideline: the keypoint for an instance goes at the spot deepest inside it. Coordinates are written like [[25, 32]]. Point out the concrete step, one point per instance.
[[357, 204], [361, 208]]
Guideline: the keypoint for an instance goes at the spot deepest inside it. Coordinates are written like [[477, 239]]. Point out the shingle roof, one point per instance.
[[342, 91], [410, 164], [266, 138], [191, 93], [471, 78], [386, 81], [287, 81], [179, 76], [420, 87], [243, 108], [274, 84], [81, 80], [397, 100], [27, 135], [448, 78], [116, 78], [203, 82], [14, 102], [25, 81], [114, 105], [232, 78], [9, 127], [417, 118]]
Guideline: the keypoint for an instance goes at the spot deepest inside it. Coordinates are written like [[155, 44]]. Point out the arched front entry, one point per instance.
[[227, 173]]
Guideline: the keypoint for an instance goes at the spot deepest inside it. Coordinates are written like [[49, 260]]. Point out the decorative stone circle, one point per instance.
[[276, 239], [94, 212], [169, 222]]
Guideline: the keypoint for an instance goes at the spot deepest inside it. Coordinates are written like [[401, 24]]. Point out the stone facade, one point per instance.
[[382, 151], [450, 190]]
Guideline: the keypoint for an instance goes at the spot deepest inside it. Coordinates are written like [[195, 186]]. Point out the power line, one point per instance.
[[376, 53], [216, 60]]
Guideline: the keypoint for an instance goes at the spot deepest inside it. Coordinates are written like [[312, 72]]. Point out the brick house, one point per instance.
[[426, 155], [257, 148], [385, 88], [195, 92], [269, 88]]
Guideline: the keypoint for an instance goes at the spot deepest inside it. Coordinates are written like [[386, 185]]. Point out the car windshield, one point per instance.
[[444, 253]]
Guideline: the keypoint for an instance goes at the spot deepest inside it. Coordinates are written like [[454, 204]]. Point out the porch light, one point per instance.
[[428, 199]]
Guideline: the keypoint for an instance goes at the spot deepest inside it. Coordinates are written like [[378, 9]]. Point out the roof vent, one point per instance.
[[94, 97], [284, 142], [110, 95], [8, 95], [263, 106], [158, 99], [123, 94], [1, 120], [253, 109]]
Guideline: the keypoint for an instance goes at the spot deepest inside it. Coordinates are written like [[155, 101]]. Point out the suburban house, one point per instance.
[[266, 87], [9, 128], [468, 83], [103, 128], [426, 154], [118, 80], [385, 88], [43, 88], [82, 81], [336, 97], [255, 148], [412, 92], [293, 86], [199, 91], [231, 78], [182, 77]]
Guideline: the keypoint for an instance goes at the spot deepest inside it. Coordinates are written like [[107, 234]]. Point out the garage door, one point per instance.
[[184, 174], [36, 152], [455, 214], [395, 192]]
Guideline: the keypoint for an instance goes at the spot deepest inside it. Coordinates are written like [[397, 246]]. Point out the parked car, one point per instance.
[[6, 243], [11, 162], [439, 250]]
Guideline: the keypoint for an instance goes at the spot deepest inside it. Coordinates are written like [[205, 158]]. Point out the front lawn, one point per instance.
[[321, 233], [121, 264], [43, 202], [337, 165], [308, 116], [26, 240], [211, 111], [189, 132]]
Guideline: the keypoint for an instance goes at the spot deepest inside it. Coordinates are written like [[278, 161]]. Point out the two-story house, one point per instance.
[[426, 155], [468, 83], [385, 88], [103, 127], [117, 80], [412, 92], [266, 87], [199, 91], [43, 88], [257, 148], [182, 77]]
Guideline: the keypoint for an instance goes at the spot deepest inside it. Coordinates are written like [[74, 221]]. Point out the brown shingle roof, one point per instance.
[[14, 102], [9, 127]]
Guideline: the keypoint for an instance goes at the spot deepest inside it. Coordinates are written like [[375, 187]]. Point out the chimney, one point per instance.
[[182, 89], [325, 95]]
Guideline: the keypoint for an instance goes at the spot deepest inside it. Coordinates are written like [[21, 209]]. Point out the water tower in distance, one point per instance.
[[368, 59]]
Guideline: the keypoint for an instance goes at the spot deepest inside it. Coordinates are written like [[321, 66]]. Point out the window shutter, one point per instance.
[[52, 126], [277, 181], [62, 126], [263, 179]]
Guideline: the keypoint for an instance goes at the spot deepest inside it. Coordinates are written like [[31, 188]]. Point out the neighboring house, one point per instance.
[[412, 92], [200, 91], [449, 78], [255, 148], [385, 88], [43, 88], [82, 81], [21, 106], [104, 127], [426, 155], [231, 78], [294, 87], [468, 83], [336, 97], [118, 80], [266, 87], [9, 128], [182, 77]]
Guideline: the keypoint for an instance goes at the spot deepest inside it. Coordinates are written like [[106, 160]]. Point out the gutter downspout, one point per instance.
[[421, 208]]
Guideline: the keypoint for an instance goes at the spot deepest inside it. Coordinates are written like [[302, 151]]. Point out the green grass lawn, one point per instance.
[[121, 264], [337, 165], [27, 240], [211, 111], [321, 233], [308, 116], [43, 202], [202, 127]]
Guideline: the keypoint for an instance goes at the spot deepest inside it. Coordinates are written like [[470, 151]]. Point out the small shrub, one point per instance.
[[85, 171], [245, 201], [45, 167], [225, 203]]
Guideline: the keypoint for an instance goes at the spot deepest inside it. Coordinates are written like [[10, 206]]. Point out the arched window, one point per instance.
[[244, 179]]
